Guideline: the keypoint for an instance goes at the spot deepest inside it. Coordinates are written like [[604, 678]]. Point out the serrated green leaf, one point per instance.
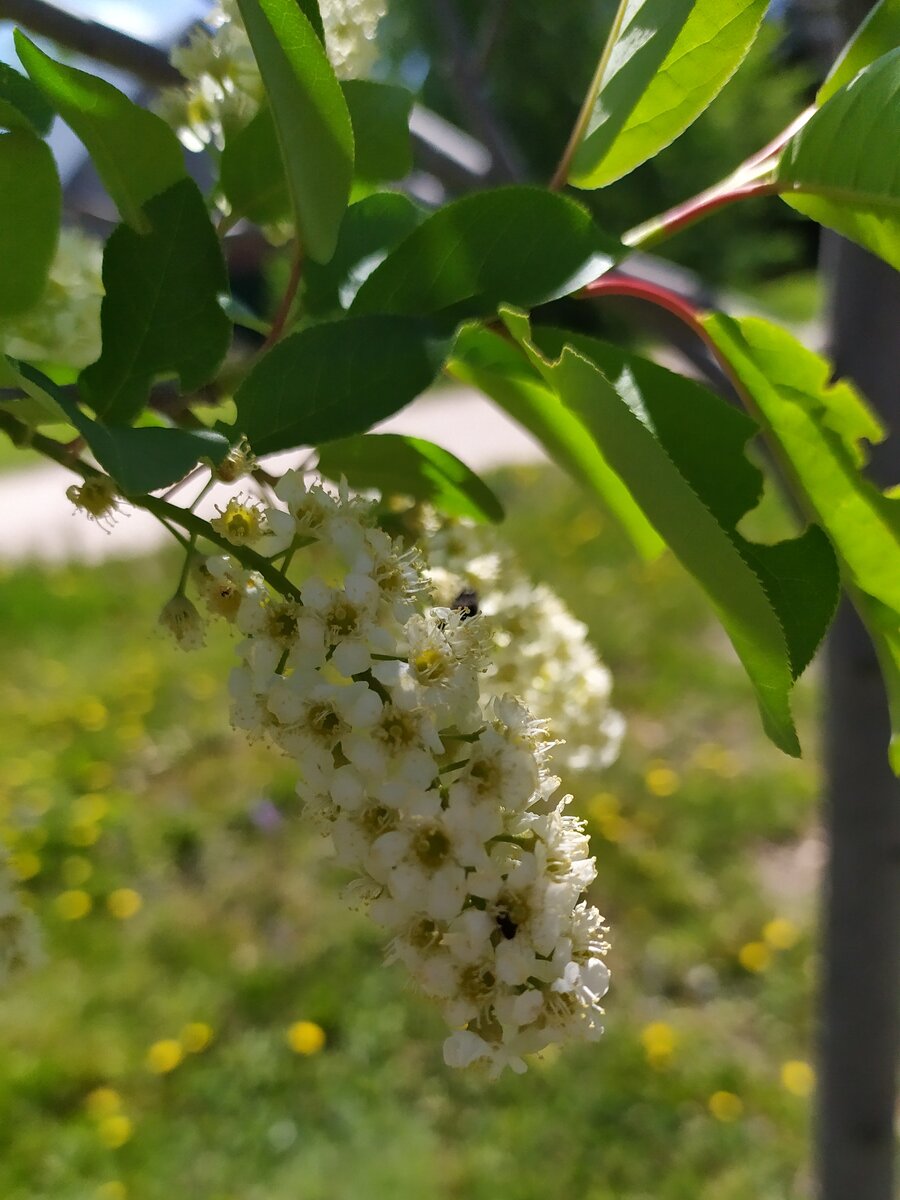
[[379, 113], [670, 59], [499, 369], [408, 466], [161, 311], [515, 245], [30, 207], [311, 119], [370, 229], [314, 16], [22, 105], [251, 173], [629, 418], [136, 154], [335, 379], [838, 170], [706, 439], [884, 630], [878, 34], [818, 425]]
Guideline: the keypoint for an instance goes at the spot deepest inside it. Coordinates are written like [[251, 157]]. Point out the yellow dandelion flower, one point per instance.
[[123, 903], [755, 956], [603, 805], [25, 864], [306, 1037], [115, 1131], [196, 1036], [725, 1106], [90, 808], [164, 1056], [83, 834], [76, 870], [659, 1040], [97, 775], [661, 780], [102, 1102], [780, 933], [92, 714], [73, 904], [798, 1077], [113, 1190]]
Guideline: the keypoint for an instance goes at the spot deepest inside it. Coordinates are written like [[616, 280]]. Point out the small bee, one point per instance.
[[467, 603]]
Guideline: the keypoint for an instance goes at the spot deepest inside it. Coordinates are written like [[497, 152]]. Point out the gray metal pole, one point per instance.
[[859, 1008]]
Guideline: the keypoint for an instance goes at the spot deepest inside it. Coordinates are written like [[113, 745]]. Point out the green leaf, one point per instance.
[[251, 173], [499, 369], [706, 440], [314, 16], [878, 34], [408, 466], [30, 206], [311, 119], [818, 426], [136, 154], [139, 460], [37, 407], [518, 245], [647, 433], [839, 170], [370, 228], [22, 105], [335, 379], [884, 630], [379, 113], [161, 313], [670, 59]]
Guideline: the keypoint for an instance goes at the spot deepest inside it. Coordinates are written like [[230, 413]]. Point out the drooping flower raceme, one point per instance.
[[19, 936], [438, 797], [224, 89], [538, 649]]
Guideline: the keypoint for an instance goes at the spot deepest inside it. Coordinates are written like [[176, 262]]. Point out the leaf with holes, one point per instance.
[[498, 368], [680, 451]]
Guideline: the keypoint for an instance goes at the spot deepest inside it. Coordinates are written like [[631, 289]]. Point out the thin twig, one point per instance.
[[287, 301], [92, 39], [561, 174]]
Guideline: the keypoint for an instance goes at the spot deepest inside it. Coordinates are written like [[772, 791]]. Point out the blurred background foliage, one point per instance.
[[213, 1022]]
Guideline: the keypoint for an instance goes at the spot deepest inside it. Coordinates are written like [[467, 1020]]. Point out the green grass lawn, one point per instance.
[[120, 775]]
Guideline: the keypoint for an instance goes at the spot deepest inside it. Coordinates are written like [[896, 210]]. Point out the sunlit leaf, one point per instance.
[[311, 119], [878, 34], [671, 58], [22, 105], [839, 170], [136, 154]]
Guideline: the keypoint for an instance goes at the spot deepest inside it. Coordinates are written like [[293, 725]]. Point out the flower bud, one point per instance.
[[184, 622]]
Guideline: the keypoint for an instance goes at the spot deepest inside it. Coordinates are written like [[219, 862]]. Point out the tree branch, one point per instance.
[[92, 39]]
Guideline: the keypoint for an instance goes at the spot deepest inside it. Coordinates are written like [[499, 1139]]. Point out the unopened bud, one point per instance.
[[184, 622]]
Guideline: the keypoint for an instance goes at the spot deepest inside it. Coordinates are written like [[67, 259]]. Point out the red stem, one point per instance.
[[287, 300], [695, 209]]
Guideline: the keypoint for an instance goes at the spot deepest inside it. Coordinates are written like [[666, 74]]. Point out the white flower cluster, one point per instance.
[[20, 947], [64, 326], [224, 89], [539, 650], [437, 797]]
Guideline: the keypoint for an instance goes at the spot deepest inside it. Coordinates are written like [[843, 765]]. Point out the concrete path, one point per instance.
[[47, 529]]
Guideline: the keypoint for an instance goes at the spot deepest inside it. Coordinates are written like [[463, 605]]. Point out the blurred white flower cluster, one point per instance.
[[437, 795], [538, 650], [64, 326], [223, 88], [20, 946]]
